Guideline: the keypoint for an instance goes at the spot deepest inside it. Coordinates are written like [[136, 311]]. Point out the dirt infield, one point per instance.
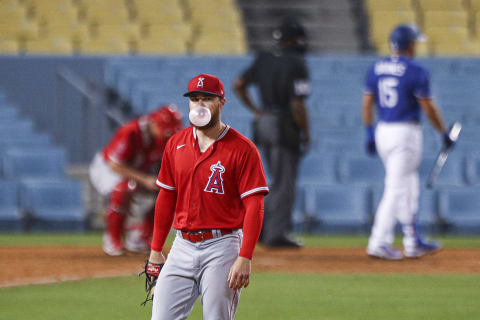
[[25, 266]]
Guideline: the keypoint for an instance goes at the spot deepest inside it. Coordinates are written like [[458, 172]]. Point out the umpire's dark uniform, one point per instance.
[[282, 78]]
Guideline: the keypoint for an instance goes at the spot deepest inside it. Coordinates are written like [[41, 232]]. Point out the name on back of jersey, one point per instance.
[[390, 68]]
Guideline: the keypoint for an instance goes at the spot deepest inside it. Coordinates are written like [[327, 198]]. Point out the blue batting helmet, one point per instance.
[[403, 35]]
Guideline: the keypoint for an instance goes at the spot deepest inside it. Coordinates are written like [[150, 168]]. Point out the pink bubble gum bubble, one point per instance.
[[200, 116]]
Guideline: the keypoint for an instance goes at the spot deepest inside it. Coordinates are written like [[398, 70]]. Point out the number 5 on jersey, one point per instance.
[[387, 91]]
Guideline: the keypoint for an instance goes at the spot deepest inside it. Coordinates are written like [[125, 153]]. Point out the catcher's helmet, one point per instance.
[[403, 35], [168, 118]]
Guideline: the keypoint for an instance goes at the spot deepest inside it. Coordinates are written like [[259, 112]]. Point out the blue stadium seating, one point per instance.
[[318, 168], [16, 127], [8, 113], [460, 206], [53, 204], [10, 214], [361, 170], [31, 164], [339, 207], [36, 142], [472, 172]]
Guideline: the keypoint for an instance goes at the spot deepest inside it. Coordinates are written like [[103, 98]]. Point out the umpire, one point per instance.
[[280, 125]]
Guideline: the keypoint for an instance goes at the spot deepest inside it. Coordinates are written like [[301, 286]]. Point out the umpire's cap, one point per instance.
[[403, 35], [289, 28], [291, 33]]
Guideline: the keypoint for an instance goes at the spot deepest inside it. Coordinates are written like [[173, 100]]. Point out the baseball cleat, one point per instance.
[[385, 253], [111, 248], [422, 249]]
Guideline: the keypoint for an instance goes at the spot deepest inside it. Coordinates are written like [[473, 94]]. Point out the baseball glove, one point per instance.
[[151, 271]]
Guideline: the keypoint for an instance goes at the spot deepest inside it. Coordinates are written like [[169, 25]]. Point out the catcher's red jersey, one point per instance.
[[132, 145], [210, 185]]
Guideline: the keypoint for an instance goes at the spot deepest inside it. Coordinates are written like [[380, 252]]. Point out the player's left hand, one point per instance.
[[239, 275], [447, 142]]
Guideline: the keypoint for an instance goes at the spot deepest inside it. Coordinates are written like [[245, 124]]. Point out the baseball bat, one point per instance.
[[453, 134]]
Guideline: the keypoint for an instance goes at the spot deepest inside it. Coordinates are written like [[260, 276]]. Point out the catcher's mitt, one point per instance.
[[151, 271]]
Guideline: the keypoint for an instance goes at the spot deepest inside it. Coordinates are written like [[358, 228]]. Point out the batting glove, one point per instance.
[[371, 147], [447, 142]]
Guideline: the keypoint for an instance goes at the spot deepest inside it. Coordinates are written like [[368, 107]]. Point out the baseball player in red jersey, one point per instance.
[[212, 184], [125, 171]]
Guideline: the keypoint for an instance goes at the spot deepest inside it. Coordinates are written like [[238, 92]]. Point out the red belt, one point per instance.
[[197, 236]]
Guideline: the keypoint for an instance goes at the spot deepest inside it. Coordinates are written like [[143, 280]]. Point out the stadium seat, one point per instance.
[[50, 46], [338, 145], [9, 46], [219, 44], [441, 5], [473, 170], [339, 207], [475, 5], [383, 5], [124, 31], [444, 19], [35, 142], [154, 12], [318, 168], [16, 128], [100, 47], [172, 46], [8, 113], [460, 207], [33, 164], [104, 12], [361, 170], [10, 214], [383, 22], [53, 205]]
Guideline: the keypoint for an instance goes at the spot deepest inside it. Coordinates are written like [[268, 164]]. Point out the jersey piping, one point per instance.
[[243, 195], [165, 186]]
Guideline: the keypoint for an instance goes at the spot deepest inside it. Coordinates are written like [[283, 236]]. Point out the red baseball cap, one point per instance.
[[206, 83]]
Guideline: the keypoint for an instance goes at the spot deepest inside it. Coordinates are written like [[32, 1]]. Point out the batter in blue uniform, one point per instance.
[[400, 89]]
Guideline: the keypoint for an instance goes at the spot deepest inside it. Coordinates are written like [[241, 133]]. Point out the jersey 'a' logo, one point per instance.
[[200, 82], [215, 182]]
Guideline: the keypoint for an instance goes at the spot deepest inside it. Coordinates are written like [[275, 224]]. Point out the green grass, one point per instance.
[[95, 238], [270, 296]]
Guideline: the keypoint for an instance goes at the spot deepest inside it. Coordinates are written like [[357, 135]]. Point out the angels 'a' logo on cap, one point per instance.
[[200, 82]]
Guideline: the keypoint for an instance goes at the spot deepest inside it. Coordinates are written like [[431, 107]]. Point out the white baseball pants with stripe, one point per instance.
[[194, 269], [400, 148]]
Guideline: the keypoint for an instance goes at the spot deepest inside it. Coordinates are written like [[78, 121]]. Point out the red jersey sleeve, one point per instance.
[[166, 176], [120, 149], [251, 178]]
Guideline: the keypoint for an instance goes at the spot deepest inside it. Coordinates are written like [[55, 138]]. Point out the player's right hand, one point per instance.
[[370, 145]]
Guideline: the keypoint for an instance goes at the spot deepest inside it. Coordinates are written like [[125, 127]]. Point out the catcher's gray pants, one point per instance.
[[282, 164], [194, 269]]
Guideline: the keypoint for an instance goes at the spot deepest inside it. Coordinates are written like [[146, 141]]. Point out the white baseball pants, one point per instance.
[[194, 269], [399, 145]]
